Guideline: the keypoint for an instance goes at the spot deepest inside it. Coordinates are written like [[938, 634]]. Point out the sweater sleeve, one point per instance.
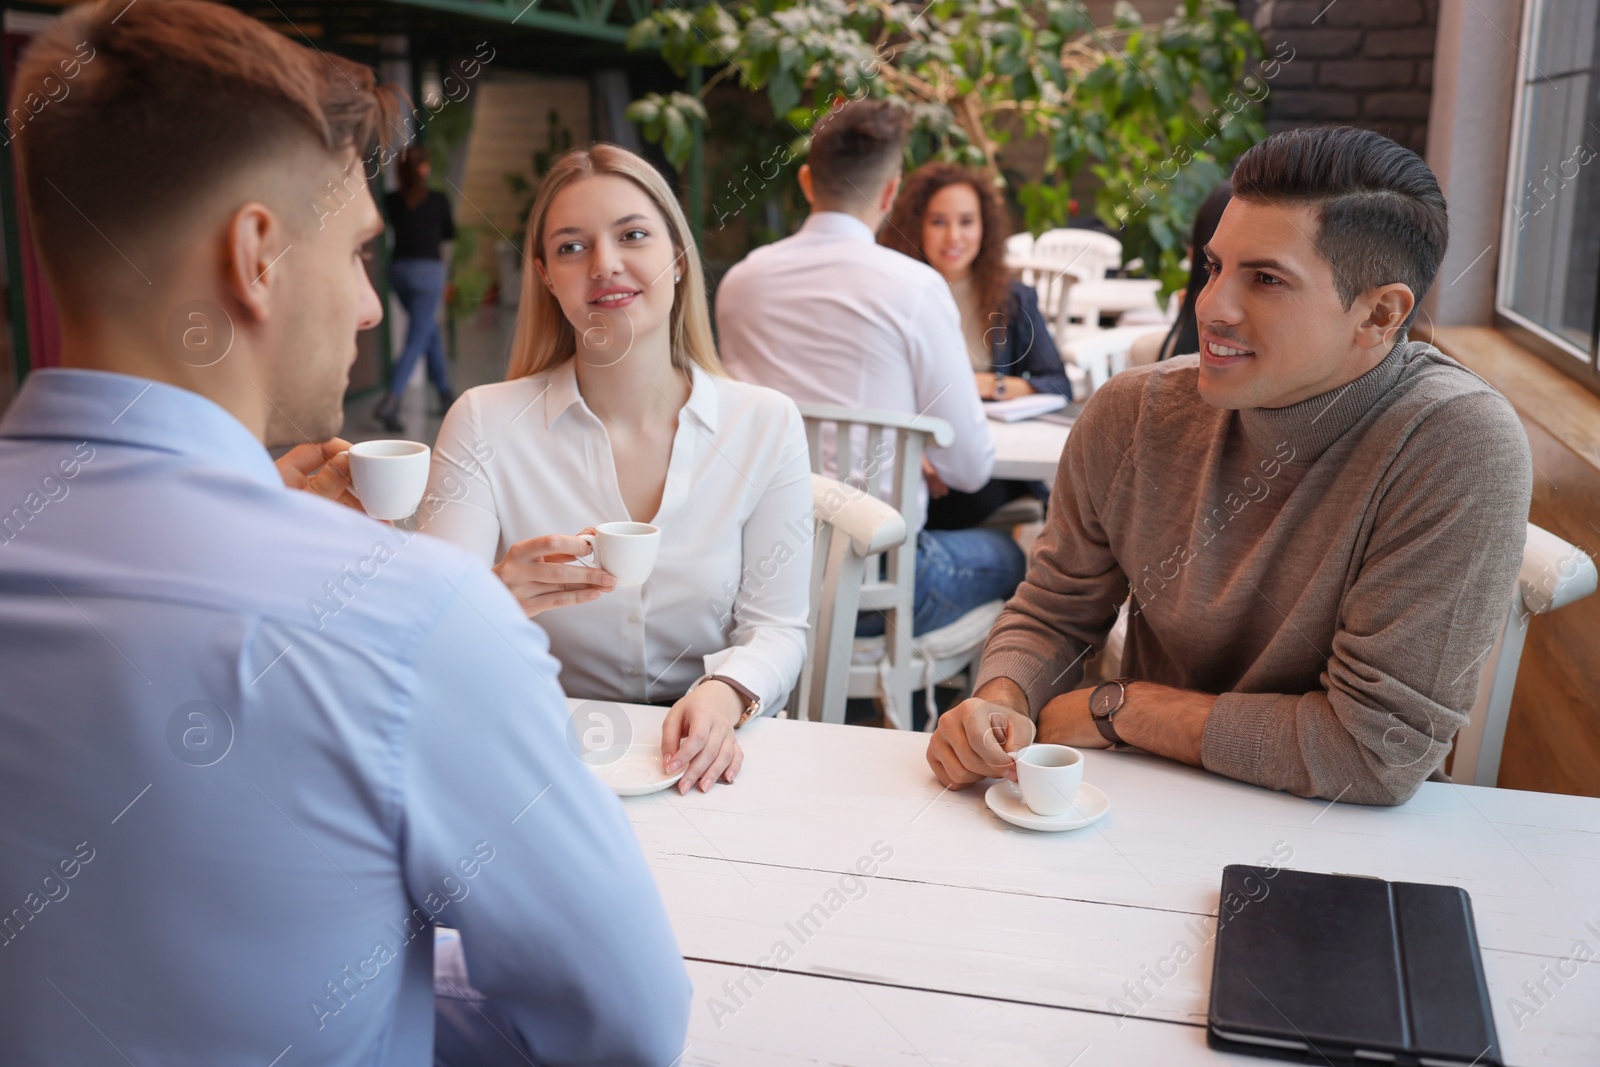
[[1433, 588], [1068, 602]]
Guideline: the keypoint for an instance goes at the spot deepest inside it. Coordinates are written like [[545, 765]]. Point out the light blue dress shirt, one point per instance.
[[253, 744]]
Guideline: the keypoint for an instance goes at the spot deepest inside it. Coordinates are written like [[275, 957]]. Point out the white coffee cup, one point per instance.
[[626, 549], [389, 477], [1049, 777]]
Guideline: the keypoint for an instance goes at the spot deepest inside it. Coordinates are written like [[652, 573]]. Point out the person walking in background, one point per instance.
[[422, 222], [951, 218]]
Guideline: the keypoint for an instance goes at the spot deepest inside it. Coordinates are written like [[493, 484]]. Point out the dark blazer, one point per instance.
[[1024, 349]]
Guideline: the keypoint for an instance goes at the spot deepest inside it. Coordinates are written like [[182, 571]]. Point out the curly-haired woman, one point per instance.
[[953, 219]]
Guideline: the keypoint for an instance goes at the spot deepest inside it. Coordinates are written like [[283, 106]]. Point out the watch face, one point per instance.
[[1101, 702]]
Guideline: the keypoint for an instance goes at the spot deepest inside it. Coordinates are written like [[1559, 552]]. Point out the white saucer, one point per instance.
[[637, 772], [1005, 801]]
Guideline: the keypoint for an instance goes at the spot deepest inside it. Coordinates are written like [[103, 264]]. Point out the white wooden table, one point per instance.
[[977, 943], [1028, 450], [1112, 296]]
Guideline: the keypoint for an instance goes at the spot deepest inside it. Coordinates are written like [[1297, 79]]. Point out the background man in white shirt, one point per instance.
[[229, 820], [829, 316]]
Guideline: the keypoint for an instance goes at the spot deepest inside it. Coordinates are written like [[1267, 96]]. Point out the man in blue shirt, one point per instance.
[[256, 745]]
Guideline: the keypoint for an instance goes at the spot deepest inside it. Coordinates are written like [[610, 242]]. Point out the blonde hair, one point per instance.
[[543, 335]]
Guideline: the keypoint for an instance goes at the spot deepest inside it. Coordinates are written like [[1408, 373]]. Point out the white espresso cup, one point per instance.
[[389, 477], [1049, 777], [626, 549]]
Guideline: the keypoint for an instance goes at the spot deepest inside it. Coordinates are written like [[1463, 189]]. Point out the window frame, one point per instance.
[[1583, 367]]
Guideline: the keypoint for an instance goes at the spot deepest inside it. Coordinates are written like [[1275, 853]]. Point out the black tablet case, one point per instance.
[[1341, 963]]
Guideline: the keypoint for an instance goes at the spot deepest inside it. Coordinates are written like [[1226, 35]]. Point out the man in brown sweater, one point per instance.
[[1316, 522]]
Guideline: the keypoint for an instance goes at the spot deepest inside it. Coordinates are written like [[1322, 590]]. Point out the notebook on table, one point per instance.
[[1329, 968], [1024, 407]]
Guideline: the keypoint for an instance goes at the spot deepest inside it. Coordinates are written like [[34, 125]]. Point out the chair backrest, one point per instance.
[[1554, 574], [852, 527], [1088, 254], [880, 452], [1019, 246]]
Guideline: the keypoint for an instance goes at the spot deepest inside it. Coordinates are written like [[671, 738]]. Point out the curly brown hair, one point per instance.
[[991, 283]]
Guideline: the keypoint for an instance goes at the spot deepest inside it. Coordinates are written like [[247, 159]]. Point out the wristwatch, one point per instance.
[[1104, 703], [999, 386], [753, 703]]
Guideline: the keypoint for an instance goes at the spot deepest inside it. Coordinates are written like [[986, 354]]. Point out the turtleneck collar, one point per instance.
[[1314, 424]]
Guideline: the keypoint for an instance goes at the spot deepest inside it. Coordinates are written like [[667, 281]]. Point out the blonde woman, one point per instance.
[[616, 408]]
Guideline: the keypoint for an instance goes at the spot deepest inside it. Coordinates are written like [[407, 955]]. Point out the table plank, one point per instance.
[[1170, 832], [799, 1019], [964, 906]]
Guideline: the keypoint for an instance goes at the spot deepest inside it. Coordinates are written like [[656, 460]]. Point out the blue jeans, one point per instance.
[[956, 571], [419, 283]]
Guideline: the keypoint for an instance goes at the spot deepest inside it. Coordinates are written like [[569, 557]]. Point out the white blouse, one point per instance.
[[730, 590]]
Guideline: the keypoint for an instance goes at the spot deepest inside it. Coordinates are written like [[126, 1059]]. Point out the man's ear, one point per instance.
[[890, 191], [1388, 307], [805, 184], [255, 241]]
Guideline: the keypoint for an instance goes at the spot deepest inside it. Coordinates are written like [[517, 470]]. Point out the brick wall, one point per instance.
[[1362, 63]]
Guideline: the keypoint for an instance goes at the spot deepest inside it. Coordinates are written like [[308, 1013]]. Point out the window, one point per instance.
[[1550, 274]]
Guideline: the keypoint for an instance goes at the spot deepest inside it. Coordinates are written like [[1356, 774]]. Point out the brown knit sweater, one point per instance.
[[1337, 570]]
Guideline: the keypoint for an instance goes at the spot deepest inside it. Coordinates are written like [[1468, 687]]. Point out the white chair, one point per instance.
[[852, 527], [1018, 247], [1099, 354], [881, 452], [1058, 260], [1554, 574], [1088, 254]]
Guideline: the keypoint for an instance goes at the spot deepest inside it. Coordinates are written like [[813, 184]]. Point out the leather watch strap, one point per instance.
[[752, 702]]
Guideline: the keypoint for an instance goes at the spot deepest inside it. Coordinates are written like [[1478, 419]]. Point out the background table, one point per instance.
[[978, 943], [1028, 450]]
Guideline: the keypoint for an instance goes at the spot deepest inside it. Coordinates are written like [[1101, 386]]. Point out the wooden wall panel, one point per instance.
[[1553, 736]]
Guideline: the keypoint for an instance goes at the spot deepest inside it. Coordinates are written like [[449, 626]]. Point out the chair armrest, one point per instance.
[[872, 525], [1554, 573]]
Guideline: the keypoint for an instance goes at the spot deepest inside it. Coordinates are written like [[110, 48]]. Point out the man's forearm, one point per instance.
[[1157, 718], [1169, 722], [1006, 693]]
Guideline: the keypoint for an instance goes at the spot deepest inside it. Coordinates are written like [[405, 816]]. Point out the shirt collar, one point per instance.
[[561, 392], [1312, 425], [103, 406], [838, 224]]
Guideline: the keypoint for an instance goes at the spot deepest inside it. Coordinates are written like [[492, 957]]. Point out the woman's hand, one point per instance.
[[319, 468], [537, 573], [1014, 386], [698, 735]]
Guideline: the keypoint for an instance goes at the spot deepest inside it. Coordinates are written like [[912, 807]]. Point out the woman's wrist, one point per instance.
[[727, 699]]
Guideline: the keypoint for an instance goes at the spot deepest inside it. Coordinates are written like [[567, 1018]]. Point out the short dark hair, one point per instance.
[[1381, 216], [856, 146], [159, 103]]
